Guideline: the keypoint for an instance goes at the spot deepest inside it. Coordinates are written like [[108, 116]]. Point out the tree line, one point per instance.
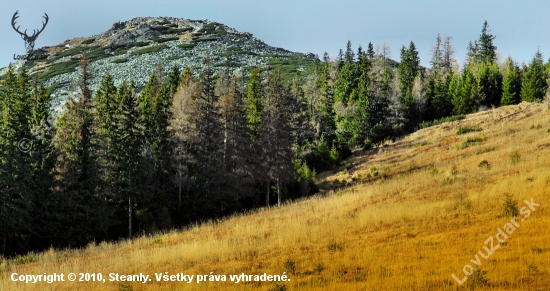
[[193, 146]]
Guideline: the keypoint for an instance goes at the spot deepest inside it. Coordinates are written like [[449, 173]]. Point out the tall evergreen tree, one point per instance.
[[408, 70], [511, 84], [16, 198], [77, 168], [487, 49], [253, 108], [533, 86], [489, 84]]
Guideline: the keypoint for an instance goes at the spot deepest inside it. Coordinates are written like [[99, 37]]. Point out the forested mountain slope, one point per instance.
[[406, 216]]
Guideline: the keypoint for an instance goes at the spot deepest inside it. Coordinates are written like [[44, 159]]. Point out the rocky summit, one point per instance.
[[132, 50]]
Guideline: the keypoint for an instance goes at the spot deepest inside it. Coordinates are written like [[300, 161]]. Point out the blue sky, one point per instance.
[[303, 25]]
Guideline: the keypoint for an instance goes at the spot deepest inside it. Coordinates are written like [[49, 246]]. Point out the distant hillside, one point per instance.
[[406, 216], [133, 49]]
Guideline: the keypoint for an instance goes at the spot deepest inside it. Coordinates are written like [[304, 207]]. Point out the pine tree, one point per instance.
[[533, 86], [437, 61], [489, 84], [511, 84], [47, 225], [277, 137], [16, 198], [463, 90], [472, 55], [126, 152], [155, 102], [253, 108], [77, 168], [408, 70], [448, 52], [327, 126], [487, 49]]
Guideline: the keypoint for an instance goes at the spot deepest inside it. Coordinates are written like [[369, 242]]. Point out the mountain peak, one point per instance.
[[133, 49]]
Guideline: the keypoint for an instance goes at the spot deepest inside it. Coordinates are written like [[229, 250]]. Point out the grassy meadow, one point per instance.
[[405, 216]]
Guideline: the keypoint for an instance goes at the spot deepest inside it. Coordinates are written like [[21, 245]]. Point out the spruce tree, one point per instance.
[[487, 49], [533, 86], [489, 84], [253, 107], [408, 70], [77, 168], [511, 84], [16, 198]]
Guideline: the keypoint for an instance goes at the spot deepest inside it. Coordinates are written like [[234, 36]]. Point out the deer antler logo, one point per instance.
[[29, 40]]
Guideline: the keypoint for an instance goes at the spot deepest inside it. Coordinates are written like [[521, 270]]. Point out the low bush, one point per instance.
[[152, 49], [465, 130], [510, 206], [118, 61], [484, 164], [515, 158], [425, 124]]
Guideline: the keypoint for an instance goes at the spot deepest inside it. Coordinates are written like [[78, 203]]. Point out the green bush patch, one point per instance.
[[118, 61], [58, 69], [472, 142], [467, 129], [88, 41], [442, 120], [178, 30], [147, 50], [187, 46]]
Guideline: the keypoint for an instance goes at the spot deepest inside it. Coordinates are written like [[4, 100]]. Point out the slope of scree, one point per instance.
[[133, 49], [410, 215]]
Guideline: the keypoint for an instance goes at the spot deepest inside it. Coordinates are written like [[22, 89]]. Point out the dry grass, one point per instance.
[[424, 215]]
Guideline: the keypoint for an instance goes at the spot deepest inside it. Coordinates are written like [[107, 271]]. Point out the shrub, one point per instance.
[[152, 49], [178, 30], [477, 279], [118, 61], [484, 164], [319, 268], [164, 39], [187, 46], [425, 124], [515, 158], [58, 69], [334, 155], [485, 151], [88, 41], [510, 206], [290, 266], [175, 57], [472, 142], [334, 246], [465, 130], [532, 268], [368, 145], [421, 144], [278, 287], [305, 180]]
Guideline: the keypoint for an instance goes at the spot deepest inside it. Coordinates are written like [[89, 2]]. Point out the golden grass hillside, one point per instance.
[[409, 215]]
